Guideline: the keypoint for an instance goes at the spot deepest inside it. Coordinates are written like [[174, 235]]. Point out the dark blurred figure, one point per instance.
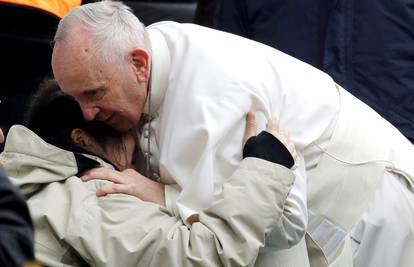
[[366, 46], [16, 231], [26, 30], [151, 11], [204, 14]]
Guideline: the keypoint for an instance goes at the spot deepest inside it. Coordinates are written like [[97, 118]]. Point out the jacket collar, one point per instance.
[[30, 162], [160, 68]]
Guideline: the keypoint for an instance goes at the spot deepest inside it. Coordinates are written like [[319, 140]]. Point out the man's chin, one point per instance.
[[119, 123], [122, 126]]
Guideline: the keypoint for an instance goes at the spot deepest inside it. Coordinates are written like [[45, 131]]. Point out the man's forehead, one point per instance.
[[78, 82], [71, 62], [76, 68], [71, 52]]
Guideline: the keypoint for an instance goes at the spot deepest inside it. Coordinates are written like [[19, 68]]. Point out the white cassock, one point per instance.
[[203, 83]]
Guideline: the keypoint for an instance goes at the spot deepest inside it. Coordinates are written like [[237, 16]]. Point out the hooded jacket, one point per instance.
[[74, 227]]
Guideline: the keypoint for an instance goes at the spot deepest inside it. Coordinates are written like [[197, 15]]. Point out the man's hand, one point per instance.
[[127, 182], [1, 137]]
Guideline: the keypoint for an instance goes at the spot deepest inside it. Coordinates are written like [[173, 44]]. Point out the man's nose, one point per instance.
[[89, 113]]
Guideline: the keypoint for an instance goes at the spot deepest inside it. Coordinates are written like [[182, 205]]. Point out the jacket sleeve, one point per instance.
[[293, 222], [292, 226], [119, 230]]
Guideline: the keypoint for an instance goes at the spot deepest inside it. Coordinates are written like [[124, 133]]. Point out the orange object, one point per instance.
[[31, 264], [56, 7]]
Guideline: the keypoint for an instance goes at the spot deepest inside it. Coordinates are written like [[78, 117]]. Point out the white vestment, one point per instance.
[[203, 84]]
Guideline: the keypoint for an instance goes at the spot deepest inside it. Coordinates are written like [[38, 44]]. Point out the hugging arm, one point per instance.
[[121, 230], [273, 145]]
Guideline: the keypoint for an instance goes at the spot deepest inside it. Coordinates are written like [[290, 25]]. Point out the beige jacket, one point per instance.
[[73, 227]]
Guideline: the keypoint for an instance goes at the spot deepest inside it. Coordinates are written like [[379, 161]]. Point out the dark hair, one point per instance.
[[53, 115]]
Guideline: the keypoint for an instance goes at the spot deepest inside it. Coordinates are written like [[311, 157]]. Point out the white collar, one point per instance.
[[160, 69]]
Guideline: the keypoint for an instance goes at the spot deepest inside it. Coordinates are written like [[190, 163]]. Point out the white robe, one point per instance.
[[199, 101], [203, 84]]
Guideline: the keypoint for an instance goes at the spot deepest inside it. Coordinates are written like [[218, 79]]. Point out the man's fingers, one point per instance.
[[250, 127], [115, 189], [1, 137], [294, 155], [132, 173], [292, 150], [272, 125], [103, 173], [284, 133], [95, 173]]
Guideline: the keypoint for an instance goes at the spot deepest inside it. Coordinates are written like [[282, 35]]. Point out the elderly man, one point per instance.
[[195, 85]]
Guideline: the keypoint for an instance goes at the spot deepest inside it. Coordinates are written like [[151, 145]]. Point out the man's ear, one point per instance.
[[80, 138], [141, 61]]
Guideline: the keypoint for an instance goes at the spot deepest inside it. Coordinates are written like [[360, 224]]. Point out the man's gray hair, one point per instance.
[[114, 29]]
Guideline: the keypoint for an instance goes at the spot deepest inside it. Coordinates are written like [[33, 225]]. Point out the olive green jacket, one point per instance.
[[74, 227]]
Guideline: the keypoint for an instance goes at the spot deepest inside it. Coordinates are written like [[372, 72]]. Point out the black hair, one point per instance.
[[53, 115]]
